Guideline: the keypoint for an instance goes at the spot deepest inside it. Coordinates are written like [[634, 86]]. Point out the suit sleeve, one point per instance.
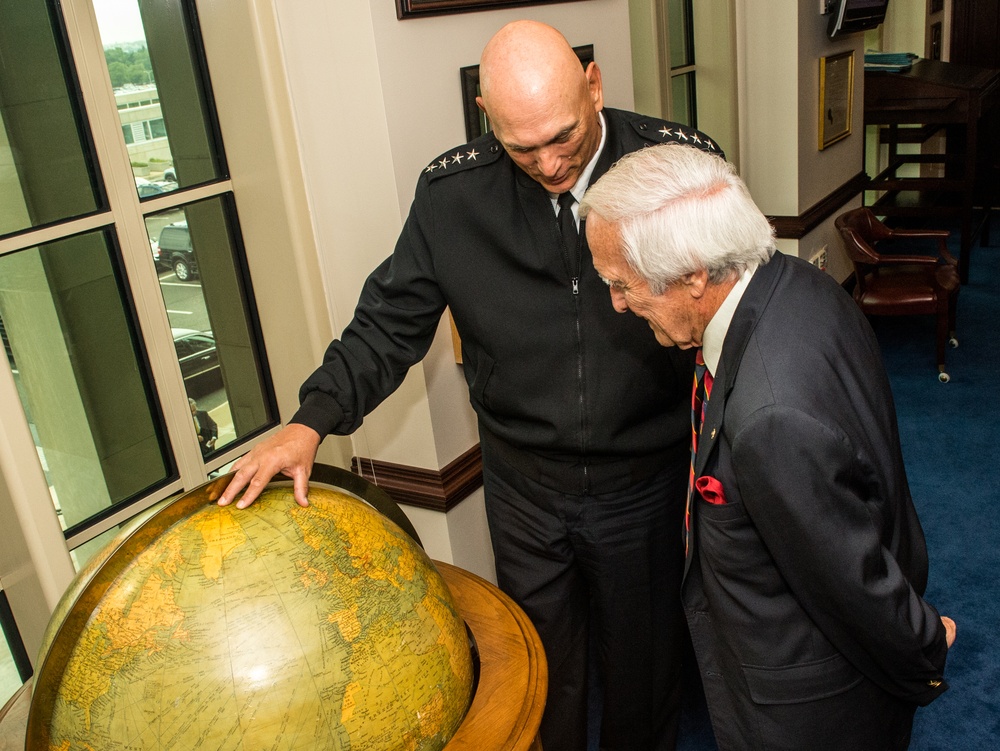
[[393, 326], [817, 506]]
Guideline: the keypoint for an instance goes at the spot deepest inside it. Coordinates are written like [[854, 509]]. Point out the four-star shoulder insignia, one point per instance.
[[479, 152], [659, 131]]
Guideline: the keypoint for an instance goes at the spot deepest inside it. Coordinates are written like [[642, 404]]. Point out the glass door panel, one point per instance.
[[683, 99], [157, 69], [15, 667], [47, 169], [71, 341], [199, 255]]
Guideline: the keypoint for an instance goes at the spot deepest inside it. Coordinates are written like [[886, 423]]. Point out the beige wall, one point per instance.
[[821, 172], [779, 46]]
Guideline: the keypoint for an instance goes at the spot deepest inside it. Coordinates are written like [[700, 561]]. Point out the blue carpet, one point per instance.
[[948, 432], [949, 438]]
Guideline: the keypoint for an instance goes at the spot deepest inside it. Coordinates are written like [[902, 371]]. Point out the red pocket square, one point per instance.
[[711, 490]]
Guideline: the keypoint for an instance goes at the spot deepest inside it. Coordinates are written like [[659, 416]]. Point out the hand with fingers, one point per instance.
[[950, 630], [290, 452]]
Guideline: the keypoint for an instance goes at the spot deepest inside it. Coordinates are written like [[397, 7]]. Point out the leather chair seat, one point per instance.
[[896, 284]]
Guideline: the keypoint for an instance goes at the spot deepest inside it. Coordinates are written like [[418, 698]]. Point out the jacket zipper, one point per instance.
[[579, 356], [573, 267]]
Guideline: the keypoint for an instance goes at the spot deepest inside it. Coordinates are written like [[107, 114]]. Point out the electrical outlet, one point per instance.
[[819, 259]]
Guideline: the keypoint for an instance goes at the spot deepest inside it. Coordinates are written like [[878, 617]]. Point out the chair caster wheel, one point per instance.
[[953, 342], [944, 377]]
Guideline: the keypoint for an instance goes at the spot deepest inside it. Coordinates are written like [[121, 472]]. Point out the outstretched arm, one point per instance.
[[291, 452]]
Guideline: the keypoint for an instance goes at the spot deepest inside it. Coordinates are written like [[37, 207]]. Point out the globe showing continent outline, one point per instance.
[[273, 627]]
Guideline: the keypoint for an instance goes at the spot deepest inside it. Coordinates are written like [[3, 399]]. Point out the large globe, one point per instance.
[[273, 627]]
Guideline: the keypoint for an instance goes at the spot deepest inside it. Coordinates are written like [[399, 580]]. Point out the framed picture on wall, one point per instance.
[[476, 122], [836, 97], [417, 8]]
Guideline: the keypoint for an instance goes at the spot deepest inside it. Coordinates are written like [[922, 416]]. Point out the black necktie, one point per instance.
[[567, 223]]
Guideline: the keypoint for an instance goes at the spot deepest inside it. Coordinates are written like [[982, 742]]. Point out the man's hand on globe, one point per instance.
[[291, 452]]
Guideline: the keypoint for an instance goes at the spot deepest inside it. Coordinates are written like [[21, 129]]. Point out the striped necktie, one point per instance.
[[701, 391]]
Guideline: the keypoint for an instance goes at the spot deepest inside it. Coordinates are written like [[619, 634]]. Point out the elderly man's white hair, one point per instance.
[[678, 210]]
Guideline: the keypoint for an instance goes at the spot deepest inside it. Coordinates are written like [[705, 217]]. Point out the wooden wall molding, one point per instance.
[[796, 227], [437, 490]]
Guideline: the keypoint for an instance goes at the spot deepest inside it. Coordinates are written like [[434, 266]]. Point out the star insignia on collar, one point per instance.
[[665, 131], [472, 155], [457, 159], [444, 163], [695, 138], [431, 168], [682, 134]]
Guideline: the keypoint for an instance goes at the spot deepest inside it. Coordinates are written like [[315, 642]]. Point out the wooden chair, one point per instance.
[[893, 284]]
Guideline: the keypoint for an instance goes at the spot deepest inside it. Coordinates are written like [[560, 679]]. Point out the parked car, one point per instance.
[[174, 251], [199, 361], [148, 188], [170, 174]]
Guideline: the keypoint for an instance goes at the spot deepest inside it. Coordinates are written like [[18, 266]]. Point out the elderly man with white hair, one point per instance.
[[806, 564]]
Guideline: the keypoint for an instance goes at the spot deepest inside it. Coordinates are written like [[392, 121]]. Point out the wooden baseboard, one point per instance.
[[437, 490]]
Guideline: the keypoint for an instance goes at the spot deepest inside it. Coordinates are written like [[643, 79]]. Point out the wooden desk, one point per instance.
[[931, 96]]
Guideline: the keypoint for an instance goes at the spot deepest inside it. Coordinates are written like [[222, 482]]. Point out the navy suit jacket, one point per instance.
[[804, 589]]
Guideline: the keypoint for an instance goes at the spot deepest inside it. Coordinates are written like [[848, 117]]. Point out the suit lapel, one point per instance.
[[752, 305], [745, 319]]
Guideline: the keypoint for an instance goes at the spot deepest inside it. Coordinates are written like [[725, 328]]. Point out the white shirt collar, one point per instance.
[[584, 180], [718, 327]]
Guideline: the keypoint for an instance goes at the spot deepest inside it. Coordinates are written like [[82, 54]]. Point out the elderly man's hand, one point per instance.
[[291, 451], [950, 629]]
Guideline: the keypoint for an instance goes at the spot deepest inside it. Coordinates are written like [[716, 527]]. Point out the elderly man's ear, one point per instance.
[[696, 283]]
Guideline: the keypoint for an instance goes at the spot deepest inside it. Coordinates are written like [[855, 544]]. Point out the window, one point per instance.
[[15, 667], [124, 291], [683, 99]]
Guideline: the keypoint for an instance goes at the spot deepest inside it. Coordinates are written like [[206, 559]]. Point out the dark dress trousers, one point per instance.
[[582, 415], [803, 591]]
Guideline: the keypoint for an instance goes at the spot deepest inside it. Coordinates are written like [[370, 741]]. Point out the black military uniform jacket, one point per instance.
[[552, 368]]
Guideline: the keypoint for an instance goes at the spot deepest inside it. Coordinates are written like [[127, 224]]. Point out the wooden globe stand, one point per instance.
[[513, 675]]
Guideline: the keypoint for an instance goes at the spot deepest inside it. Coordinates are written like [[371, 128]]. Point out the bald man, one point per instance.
[[583, 418]]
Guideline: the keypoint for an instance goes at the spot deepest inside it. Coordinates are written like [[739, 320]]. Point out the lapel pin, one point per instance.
[[713, 434]]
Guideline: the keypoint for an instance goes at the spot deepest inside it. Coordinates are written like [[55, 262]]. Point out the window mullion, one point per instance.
[[127, 212], [35, 566]]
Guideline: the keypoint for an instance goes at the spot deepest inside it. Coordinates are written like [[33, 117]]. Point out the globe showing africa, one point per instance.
[[273, 627]]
